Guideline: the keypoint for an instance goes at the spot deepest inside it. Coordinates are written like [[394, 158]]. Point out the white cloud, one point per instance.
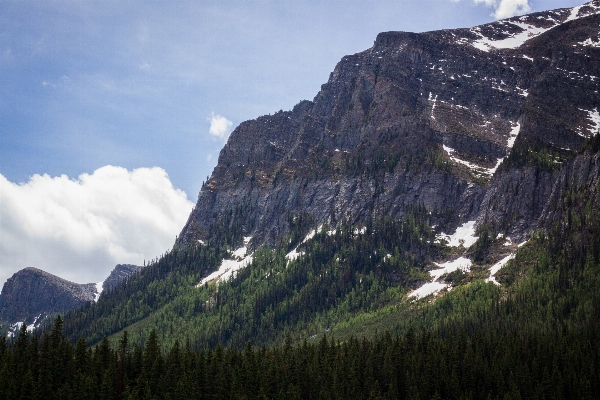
[[506, 8], [219, 126], [80, 228]]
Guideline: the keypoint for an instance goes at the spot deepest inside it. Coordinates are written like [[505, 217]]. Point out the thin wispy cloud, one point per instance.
[[80, 228], [219, 126]]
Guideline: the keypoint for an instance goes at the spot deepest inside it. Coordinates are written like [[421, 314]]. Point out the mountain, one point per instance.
[[427, 227], [438, 180], [119, 274], [32, 294], [476, 122]]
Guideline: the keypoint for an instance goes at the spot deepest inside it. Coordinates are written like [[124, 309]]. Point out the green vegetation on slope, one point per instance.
[[339, 275], [537, 336]]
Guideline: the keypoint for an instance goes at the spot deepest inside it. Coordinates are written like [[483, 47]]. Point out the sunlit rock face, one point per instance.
[[450, 119]]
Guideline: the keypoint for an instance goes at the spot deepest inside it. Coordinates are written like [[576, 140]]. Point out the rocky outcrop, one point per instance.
[[30, 294], [118, 274], [473, 122]]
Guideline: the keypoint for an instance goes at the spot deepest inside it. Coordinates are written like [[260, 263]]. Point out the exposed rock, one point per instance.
[[448, 119], [31, 294], [118, 274]]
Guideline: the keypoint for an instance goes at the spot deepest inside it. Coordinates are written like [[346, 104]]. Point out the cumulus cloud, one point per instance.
[[506, 8], [219, 126], [79, 229]]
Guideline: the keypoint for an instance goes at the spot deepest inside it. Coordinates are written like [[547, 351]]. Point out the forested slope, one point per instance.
[[536, 336]]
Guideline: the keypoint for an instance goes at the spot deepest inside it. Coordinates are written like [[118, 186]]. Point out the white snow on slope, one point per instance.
[[435, 285], [477, 169], [292, 255], [434, 100], [589, 42], [311, 234], [241, 252], [496, 267], [529, 31], [98, 291], [35, 324], [360, 231], [574, 12], [428, 289], [513, 135], [461, 263], [229, 267], [13, 329], [465, 235], [594, 117]]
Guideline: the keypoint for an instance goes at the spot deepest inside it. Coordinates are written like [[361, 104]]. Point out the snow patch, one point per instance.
[[522, 92], [435, 286], [360, 231], [590, 43], [513, 135], [464, 235], [428, 289], [594, 117], [573, 15], [241, 252], [434, 100], [462, 263], [98, 291], [496, 267], [311, 234], [512, 42], [226, 270], [292, 255], [473, 167], [14, 329], [36, 323], [528, 31], [229, 267]]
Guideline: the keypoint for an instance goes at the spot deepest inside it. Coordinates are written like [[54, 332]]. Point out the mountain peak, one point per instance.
[[32, 293], [435, 118]]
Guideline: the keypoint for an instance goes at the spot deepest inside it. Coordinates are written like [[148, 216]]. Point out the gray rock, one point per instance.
[[118, 274], [420, 118], [31, 294]]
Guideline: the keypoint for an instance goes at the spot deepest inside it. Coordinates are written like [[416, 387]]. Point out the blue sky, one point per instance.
[[135, 84]]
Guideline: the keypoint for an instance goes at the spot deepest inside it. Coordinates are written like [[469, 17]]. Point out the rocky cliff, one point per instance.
[[31, 294], [475, 124], [118, 274]]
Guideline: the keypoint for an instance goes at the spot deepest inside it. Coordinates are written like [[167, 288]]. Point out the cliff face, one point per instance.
[[118, 274], [473, 122], [31, 294]]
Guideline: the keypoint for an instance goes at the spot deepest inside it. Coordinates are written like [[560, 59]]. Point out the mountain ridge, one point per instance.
[[436, 101], [32, 295], [423, 167]]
